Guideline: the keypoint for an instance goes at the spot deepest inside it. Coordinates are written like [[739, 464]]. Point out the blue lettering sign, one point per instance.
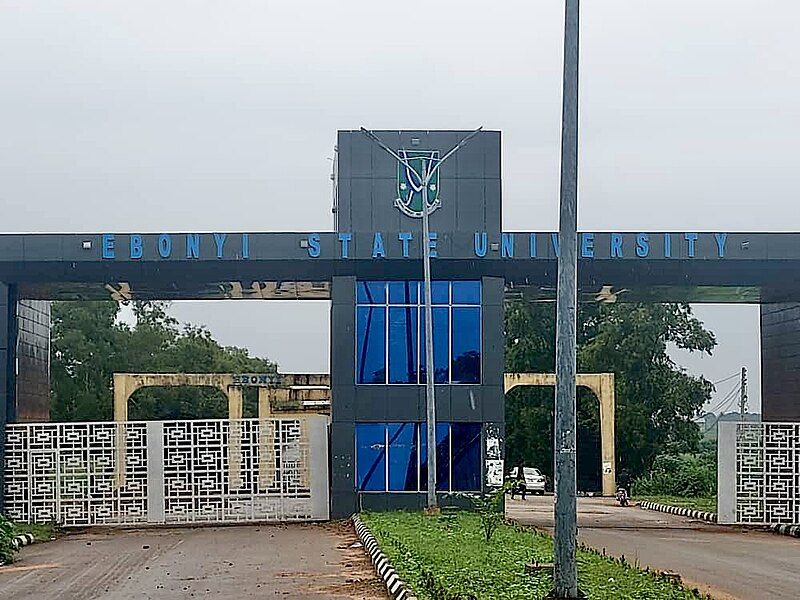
[[587, 245], [507, 249], [481, 243], [432, 237], [245, 245], [136, 246], [164, 245], [532, 245], [108, 246], [721, 239], [616, 245], [667, 245], [219, 242], [192, 245], [377, 246], [642, 245], [345, 238], [313, 245], [556, 244], [404, 237], [691, 238]]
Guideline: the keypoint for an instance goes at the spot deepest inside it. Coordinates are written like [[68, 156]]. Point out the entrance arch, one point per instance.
[[602, 385]]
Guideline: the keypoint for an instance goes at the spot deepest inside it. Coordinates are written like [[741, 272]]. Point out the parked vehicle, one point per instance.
[[527, 480]]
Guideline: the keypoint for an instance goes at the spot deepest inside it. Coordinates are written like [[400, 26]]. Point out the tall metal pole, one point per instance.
[[430, 390], [565, 577]]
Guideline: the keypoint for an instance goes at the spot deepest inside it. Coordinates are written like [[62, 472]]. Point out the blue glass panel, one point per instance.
[[440, 292], [466, 292], [466, 352], [442, 457], [371, 292], [371, 457], [403, 292], [371, 344], [441, 344], [466, 456], [403, 457], [403, 344]]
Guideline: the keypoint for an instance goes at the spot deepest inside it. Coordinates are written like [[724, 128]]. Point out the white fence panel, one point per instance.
[[759, 473], [205, 471]]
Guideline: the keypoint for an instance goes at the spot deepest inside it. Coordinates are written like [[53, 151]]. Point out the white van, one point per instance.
[[533, 478]]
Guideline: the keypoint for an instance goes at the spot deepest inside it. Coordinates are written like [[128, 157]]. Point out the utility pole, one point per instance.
[[429, 169], [565, 575], [743, 396]]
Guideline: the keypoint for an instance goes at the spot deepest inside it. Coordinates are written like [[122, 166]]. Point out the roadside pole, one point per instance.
[[565, 576]]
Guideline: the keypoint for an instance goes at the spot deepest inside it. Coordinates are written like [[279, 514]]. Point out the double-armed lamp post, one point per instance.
[[429, 167]]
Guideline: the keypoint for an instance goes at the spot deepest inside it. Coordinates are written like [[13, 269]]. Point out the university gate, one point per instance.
[[170, 472]]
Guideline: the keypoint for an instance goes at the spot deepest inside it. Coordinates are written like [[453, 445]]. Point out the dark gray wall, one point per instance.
[[780, 362], [351, 403], [470, 188], [32, 397]]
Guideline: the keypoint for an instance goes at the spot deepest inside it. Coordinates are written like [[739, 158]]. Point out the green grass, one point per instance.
[[447, 558], [42, 532], [706, 504]]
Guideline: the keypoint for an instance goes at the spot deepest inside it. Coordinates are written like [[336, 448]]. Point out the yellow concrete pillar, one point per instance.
[[235, 409]]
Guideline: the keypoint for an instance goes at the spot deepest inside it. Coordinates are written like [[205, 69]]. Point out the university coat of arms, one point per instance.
[[410, 179]]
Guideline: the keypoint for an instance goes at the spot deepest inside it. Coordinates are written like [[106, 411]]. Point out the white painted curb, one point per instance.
[[394, 585], [681, 511], [18, 541]]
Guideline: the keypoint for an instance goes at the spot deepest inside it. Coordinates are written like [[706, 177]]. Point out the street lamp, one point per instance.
[[429, 169]]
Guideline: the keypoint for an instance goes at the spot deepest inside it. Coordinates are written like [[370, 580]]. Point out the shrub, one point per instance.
[[691, 475], [6, 535]]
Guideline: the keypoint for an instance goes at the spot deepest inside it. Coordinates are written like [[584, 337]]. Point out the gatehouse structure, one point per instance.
[[369, 267]]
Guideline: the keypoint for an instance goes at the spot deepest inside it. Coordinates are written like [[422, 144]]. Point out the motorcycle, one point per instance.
[[622, 497]]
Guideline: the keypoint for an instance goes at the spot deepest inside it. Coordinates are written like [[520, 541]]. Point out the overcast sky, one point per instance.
[[160, 116]]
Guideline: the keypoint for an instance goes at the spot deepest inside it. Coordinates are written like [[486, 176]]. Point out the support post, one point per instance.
[[565, 577]]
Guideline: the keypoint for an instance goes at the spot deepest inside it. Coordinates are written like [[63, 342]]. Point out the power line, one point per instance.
[[717, 404], [728, 378]]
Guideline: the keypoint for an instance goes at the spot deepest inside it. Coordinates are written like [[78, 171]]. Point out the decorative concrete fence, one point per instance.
[[758, 475]]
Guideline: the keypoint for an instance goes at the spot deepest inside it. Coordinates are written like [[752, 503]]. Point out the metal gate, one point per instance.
[[758, 473], [168, 472]]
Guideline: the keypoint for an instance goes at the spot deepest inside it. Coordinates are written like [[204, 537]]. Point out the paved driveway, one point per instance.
[[282, 561], [728, 562]]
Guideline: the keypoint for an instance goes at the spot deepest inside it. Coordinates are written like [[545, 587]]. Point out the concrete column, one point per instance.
[[235, 407], [726, 471]]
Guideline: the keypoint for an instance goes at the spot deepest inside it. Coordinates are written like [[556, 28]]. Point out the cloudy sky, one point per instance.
[[163, 116]]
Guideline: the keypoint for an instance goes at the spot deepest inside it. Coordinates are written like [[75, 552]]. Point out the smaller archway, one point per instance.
[[602, 385]]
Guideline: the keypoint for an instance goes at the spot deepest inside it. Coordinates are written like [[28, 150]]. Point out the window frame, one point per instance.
[[419, 308], [419, 433]]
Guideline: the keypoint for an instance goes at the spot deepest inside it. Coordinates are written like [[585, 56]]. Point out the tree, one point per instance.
[[656, 399], [89, 345]]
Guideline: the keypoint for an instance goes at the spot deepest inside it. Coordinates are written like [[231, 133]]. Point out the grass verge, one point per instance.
[[42, 532], [704, 504], [447, 558]]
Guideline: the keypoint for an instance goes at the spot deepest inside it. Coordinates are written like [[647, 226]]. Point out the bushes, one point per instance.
[[6, 535], [692, 475]]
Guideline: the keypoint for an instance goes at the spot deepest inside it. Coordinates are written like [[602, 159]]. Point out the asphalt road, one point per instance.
[[727, 562], [305, 562]]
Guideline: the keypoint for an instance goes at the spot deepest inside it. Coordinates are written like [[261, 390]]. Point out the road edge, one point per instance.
[[395, 586]]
